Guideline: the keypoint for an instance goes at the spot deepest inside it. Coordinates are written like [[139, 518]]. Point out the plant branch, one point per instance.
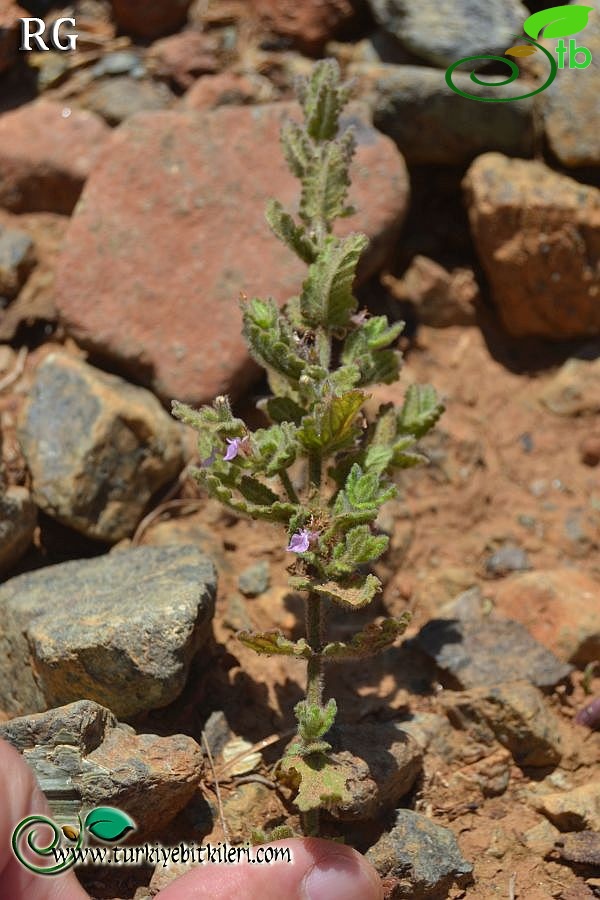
[[289, 487]]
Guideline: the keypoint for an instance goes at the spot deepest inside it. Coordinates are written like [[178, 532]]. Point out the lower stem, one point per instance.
[[314, 686], [314, 627]]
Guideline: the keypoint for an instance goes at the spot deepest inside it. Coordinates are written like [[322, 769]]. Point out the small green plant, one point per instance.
[[320, 354]]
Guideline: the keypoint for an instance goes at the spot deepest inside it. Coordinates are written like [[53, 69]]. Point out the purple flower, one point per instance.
[[300, 542], [233, 447]]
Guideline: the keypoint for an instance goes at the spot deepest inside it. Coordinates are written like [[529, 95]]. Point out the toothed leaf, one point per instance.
[[327, 297], [332, 424], [373, 638], [273, 643], [421, 410], [320, 781], [351, 594]]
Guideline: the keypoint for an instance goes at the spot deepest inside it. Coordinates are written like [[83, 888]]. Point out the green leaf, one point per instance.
[[273, 643], [278, 511], [327, 298], [371, 640], [360, 546], [363, 491], [274, 448], [256, 492], [352, 594], [344, 379], [365, 349], [421, 410], [405, 460], [323, 97], [283, 226], [332, 424], [300, 583], [314, 721], [378, 458], [282, 409], [325, 186], [108, 824], [269, 338], [321, 781], [297, 148], [213, 423], [557, 22]]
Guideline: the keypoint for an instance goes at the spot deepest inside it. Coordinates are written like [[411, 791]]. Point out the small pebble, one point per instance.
[[255, 580], [589, 449], [508, 558]]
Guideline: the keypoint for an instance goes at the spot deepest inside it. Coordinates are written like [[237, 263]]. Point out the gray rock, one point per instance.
[[574, 390], [419, 859], [573, 810], [508, 558], [98, 448], [432, 125], [477, 652], [516, 715], [582, 847], [255, 579], [441, 298], [17, 258], [571, 104], [18, 517], [117, 99], [83, 758], [444, 31], [120, 629], [383, 762]]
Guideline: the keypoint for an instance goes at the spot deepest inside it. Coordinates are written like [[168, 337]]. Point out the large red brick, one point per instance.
[[47, 151], [171, 229]]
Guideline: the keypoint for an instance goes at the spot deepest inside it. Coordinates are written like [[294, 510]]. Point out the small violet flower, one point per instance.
[[360, 318], [300, 542], [234, 445]]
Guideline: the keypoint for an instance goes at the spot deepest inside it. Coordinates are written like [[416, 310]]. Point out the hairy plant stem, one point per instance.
[[314, 685], [314, 468], [288, 487]]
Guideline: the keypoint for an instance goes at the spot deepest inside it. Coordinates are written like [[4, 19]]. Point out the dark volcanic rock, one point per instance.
[[83, 758], [478, 652], [18, 517], [418, 859], [98, 448], [120, 629]]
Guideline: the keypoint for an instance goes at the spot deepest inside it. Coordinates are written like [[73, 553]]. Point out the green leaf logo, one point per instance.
[[560, 21], [108, 824], [520, 50]]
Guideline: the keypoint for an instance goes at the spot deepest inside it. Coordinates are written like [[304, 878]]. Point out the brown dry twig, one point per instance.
[[17, 370], [217, 789]]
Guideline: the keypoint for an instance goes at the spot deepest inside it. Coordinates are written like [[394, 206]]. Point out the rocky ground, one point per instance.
[[133, 178]]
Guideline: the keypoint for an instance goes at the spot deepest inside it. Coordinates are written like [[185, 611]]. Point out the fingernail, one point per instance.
[[339, 877]]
